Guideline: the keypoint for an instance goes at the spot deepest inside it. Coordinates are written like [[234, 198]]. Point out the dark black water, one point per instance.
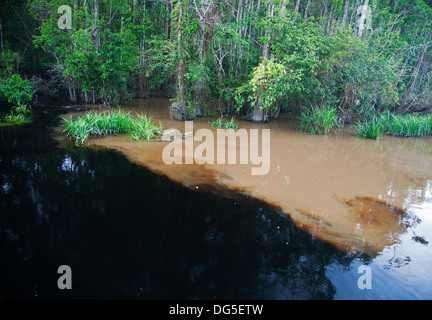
[[128, 233]]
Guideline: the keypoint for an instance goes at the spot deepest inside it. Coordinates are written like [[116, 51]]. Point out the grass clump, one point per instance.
[[409, 125], [319, 120], [12, 119], [223, 123], [369, 129], [113, 122], [143, 129]]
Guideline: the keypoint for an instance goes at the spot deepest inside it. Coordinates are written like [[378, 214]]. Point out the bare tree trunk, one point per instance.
[[297, 6], [96, 31], [181, 64], [344, 19], [258, 114], [416, 73], [266, 46], [307, 10], [203, 12], [142, 77]]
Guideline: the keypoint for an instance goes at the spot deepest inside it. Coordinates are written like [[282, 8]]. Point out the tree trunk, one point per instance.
[[307, 10], [411, 86], [297, 6], [198, 84], [257, 114], [142, 76], [181, 66], [344, 19]]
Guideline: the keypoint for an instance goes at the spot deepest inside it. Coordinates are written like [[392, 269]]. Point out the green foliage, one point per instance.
[[408, 125], [370, 129], [13, 119], [319, 120], [99, 53], [221, 122], [264, 88], [143, 129], [8, 62], [105, 123], [118, 48], [17, 91]]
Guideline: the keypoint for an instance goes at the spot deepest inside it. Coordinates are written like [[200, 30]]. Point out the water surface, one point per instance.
[[357, 194], [133, 233]]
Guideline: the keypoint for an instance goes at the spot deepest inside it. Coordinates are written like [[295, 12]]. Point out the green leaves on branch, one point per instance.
[[17, 91], [266, 86]]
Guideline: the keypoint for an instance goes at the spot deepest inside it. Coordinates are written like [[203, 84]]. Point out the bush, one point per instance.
[[17, 91]]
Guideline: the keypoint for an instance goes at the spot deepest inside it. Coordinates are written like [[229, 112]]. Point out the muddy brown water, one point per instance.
[[351, 192]]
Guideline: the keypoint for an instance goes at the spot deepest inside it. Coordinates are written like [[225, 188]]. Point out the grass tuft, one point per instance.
[[319, 120], [408, 125], [223, 123], [113, 122]]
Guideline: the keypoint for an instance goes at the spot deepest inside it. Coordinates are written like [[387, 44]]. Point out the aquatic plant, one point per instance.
[[113, 122], [143, 129], [409, 125], [15, 119], [223, 123], [369, 129], [319, 120]]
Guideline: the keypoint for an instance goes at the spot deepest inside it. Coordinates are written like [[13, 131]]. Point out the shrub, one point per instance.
[[17, 91]]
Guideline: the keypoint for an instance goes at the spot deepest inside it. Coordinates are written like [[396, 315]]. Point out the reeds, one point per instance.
[[113, 122], [409, 125], [319, 120], [369, 129]]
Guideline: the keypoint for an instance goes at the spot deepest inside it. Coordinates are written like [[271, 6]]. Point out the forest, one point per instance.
[[216, 150], [332, 62]]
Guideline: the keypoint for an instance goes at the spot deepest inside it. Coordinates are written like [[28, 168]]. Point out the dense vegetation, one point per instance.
[[341, 61], [113, 122]]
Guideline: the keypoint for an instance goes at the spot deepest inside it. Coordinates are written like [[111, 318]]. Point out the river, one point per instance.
[[131, 226]]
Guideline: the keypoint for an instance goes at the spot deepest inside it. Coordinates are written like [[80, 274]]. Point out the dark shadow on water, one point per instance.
[[128, 233]]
